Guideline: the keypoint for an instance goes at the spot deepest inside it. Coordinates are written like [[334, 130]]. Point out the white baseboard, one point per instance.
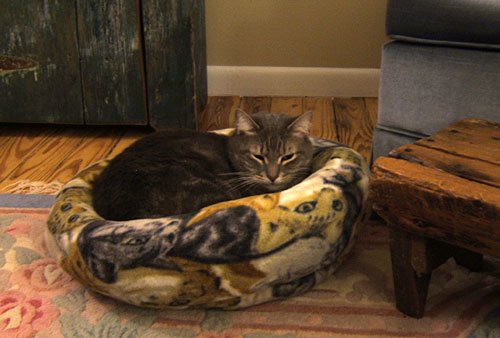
[[293, 81]]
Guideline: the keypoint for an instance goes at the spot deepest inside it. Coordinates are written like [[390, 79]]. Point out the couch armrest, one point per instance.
[[466, 23]]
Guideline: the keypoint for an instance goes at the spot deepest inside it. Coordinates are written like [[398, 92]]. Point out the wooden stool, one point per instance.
[[441, 199]]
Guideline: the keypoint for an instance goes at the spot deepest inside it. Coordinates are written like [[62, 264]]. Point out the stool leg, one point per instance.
[[469, 259], [410, 286]]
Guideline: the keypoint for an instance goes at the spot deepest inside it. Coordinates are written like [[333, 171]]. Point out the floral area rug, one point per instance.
[[37, 299]]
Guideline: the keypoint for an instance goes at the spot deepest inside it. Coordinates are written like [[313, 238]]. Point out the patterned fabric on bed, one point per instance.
[[229, 255]]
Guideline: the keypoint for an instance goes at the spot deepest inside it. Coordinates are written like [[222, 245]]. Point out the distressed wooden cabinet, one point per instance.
[[137, 62]]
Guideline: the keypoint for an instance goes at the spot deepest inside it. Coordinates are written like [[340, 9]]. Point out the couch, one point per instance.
[[443, 65]]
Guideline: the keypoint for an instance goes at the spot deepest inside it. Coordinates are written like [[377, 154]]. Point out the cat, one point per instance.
[[178, 171]]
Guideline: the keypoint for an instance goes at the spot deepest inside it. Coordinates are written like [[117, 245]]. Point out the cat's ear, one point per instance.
[[244, 123], [302, 124]]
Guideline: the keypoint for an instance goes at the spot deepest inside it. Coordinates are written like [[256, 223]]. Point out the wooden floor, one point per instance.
[[56, 153]]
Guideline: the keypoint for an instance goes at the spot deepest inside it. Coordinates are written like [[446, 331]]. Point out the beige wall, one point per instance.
[[295, 33]]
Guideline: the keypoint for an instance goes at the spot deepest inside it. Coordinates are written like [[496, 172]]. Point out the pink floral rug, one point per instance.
[[37, 299]]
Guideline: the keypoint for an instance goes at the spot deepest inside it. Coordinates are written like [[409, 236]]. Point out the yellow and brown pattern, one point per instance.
[[229, 255]]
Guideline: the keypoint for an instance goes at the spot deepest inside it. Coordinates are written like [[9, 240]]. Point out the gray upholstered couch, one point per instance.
[[443, 66]]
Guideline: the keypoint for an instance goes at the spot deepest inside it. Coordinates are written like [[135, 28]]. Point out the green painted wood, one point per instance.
[[199, 61], [110, 51], [175, 55], [39, 71]]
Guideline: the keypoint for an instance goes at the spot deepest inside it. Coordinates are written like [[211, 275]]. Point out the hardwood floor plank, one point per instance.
[[219, 113], [324, 117], [129, 136], [40, 165], [18, 142], [253, 105], [354, 124], [292, 106], [94, 147], [48, 153], [371, 104]]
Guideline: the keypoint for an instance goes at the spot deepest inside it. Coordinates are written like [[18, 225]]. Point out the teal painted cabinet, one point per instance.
[[128, 62]]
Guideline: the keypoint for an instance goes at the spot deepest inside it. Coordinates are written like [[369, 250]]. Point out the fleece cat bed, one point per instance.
[[228, 255]]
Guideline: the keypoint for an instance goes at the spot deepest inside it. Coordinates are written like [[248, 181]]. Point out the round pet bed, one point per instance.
[[229, 255]]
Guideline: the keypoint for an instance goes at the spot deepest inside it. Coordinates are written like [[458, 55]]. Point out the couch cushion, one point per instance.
[[471, 23], [424, 88]]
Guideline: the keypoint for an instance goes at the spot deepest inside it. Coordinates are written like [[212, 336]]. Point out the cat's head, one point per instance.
[[270, 151]]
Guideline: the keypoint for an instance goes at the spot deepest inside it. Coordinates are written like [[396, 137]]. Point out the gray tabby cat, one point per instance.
[[175, 172]]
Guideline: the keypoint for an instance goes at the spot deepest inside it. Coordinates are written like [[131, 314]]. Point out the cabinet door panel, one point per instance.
[[110, 51], [174, 36], [39, 71]]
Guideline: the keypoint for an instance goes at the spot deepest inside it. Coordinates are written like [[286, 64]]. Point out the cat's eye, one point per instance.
[[287, 158], [258, 157]]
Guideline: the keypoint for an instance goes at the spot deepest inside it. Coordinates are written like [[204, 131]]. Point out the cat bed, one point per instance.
[[228, 255]]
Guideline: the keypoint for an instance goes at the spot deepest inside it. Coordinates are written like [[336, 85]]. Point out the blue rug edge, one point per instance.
[[26, 201]]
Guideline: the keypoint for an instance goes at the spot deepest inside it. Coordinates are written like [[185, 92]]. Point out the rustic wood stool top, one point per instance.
[[441, 198]]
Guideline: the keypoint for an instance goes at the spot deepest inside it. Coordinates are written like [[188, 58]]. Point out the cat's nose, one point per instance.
[[273, 174], [272, 178]]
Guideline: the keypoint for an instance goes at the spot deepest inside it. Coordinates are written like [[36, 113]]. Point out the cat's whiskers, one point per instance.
[[242, 181], [237, 173], [238, 181]]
